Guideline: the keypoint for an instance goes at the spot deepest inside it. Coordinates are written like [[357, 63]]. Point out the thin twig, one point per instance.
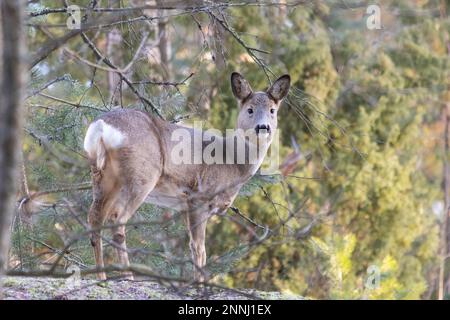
[[105, 60], [166, 83]]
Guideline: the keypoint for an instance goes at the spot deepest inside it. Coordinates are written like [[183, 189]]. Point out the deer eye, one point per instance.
[[250, 111], [272, 110]]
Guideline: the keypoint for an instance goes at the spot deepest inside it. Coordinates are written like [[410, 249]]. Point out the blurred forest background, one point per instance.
[[364, 182]]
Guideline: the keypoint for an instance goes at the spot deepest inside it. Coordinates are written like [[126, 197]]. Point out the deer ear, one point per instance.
[[241, 88], [280, 88]]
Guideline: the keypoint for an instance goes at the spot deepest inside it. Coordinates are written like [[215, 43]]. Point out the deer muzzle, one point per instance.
[[262, 128]]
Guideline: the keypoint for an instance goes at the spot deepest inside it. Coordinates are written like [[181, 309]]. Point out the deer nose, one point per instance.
[[264, 127]]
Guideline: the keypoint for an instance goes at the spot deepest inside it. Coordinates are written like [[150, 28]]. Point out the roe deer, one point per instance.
[[131, 162]]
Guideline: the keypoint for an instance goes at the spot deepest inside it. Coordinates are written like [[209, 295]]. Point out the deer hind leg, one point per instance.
[[105, 192], [120, 242], [120, 218], [129, 200], [96, 224], [196, 225], [96, 218]]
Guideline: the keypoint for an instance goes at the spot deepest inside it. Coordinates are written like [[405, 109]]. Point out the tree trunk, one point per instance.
[[444, 230], [12, 84], [164, 44], [113, 41]]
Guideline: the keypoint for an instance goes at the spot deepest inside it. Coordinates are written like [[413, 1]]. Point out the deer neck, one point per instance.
[[255, 151]]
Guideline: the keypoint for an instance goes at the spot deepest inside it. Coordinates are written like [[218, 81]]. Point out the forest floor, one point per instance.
[[30, 288]]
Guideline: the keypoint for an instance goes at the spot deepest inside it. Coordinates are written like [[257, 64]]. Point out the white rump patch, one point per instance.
[[112, 137]]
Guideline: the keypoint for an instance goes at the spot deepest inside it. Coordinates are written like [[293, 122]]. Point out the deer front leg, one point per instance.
[[196, 225]]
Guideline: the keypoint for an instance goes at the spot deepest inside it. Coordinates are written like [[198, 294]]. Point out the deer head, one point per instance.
[[258, 110]]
